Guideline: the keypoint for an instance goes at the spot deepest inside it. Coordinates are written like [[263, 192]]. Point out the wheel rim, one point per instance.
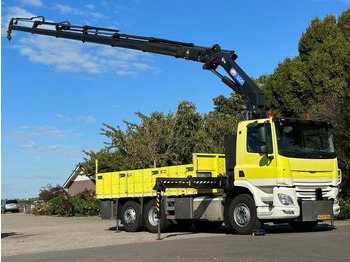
[[241, 215], [152, 216], [130, 216]]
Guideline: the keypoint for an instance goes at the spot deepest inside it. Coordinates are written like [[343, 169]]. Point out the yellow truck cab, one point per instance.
[[296, 177]]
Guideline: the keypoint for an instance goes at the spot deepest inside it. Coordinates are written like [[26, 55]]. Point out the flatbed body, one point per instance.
[[140, 182]]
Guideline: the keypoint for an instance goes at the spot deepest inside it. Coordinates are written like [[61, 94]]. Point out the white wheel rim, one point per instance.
[[152, 216], [130, 216], [241, 215]]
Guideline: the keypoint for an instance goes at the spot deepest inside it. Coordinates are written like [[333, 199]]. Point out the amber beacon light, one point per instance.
[[307, 116], [269, 113]]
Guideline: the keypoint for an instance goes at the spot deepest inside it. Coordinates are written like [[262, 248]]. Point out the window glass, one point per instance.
[[304, 141], [253, 142]]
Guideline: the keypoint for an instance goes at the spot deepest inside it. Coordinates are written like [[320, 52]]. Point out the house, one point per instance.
[[78, 181]]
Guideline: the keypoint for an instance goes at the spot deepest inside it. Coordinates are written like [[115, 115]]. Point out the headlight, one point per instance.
[[285, 199]]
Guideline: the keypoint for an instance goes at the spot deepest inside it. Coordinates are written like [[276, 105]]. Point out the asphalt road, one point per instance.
[[279, 244]]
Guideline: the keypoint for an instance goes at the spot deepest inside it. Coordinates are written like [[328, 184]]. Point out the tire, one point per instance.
[[151, 221], [301, 226], [242, 214], [206, 226], [131, 216]]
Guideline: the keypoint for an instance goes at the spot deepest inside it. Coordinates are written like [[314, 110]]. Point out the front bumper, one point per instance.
[[302, 210]]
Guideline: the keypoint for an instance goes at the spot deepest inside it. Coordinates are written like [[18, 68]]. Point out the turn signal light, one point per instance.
[[269, 113], [307, 116]]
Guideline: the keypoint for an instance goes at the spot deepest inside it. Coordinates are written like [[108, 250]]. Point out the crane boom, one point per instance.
[[211, 57]]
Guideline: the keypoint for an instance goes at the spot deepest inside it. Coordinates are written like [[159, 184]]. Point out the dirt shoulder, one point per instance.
[[25, 234]]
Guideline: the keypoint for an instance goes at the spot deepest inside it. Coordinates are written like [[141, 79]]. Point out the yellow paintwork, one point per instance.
[[281, 169], [140, 183]]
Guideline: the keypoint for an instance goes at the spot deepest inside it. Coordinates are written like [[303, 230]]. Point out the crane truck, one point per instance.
[[275, 169]]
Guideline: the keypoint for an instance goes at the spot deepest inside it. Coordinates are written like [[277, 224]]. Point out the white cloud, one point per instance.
[[41, 141], [60, 54], [24, 133], [90, 6], [88, 119], [35, 3], [125, 73], [72, 56], [65, 9], [63, 117], [44, 150]]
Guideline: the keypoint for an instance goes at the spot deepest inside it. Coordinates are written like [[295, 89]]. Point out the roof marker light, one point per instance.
[[269, 113], [307, 116]]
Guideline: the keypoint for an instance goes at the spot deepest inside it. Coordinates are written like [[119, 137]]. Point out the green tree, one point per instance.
[[108, 161], [228, 112], [187, 122], [49, 192]]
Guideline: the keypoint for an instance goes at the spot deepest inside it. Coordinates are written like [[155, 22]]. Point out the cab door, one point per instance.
[[257, 168]]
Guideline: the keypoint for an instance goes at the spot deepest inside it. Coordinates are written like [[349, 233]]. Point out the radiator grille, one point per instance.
[[307, 191]]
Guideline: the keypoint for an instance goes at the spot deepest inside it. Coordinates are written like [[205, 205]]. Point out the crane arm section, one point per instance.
[[211, 57]]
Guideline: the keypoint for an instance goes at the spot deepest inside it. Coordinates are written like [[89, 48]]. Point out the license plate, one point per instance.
[[323, 217]]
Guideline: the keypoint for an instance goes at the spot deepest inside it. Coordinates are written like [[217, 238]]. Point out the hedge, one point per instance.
[[68, 206]]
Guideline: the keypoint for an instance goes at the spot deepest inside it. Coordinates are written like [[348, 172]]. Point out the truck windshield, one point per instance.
[[299, 140]]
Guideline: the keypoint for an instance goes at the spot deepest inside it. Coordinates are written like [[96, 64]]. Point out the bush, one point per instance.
[[344, 209], [78, 205], [82, 207], [61, 206]]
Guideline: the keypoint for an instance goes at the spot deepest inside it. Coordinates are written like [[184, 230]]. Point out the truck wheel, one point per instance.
[[242, 214], [131, 216], [301, 226], [151, 220]]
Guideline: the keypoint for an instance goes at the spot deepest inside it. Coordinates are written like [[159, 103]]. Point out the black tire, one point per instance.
[[242, 214], [131, 216], [207, 225], [301, 226], [151, 221]]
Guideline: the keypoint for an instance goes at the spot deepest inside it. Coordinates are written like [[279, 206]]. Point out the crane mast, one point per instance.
[[211, 57]]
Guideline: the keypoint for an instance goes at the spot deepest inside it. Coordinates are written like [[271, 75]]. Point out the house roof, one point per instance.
[[78, 171]]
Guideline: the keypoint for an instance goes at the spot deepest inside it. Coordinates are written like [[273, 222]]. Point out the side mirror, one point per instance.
[[263, 149], [262, 133]]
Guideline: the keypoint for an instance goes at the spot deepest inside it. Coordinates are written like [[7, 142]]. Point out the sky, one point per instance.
[[56, 93]]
